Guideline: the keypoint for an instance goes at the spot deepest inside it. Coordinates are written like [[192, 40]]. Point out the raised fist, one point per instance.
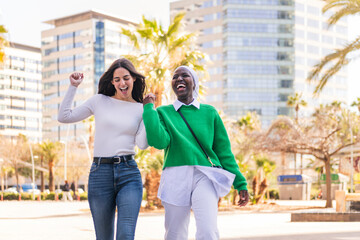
[[149, 98], [76, 78]]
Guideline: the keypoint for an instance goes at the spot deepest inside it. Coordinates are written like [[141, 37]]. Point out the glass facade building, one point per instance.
[[86, 42], [20, 92], [261, 52]]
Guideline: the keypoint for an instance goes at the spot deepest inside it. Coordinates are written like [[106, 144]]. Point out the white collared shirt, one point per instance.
[[176, 182], [177, 104]]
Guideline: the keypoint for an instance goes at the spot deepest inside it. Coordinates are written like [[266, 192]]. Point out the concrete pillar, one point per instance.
[[340, 201]]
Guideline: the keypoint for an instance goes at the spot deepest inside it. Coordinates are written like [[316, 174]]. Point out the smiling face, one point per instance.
[[183, 85], [123, 83]]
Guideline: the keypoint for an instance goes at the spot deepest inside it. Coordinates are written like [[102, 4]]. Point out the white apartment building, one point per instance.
[[20, 92]]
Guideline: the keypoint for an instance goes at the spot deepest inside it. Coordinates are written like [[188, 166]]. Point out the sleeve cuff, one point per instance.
[[148, 106]]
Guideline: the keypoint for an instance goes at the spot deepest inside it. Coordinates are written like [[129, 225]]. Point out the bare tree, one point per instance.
[[14, 151], [77, 162], [322, 136]]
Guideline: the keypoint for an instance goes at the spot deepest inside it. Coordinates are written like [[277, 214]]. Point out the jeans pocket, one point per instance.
[[131, 164], [94, 167]]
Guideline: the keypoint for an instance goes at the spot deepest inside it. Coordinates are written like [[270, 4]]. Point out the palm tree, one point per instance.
[[50, 152], [296, 101], [161, 51], [356, 104], [249, 122], [3, 43], [90, 127], [264, 167], [340, 57]]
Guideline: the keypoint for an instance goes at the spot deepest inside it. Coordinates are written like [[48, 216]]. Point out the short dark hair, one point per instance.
[[108, 89]]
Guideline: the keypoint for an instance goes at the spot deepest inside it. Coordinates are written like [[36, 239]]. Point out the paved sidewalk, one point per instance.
[[72, 220]]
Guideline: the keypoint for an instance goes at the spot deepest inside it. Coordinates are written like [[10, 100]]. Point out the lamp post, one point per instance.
[[351, 155], [65, 145], [65, 159], [87, 149], [33, 172], [2, 175], [351, 161]]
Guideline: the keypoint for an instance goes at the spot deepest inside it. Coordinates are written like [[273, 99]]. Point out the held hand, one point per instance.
[[149, 98], [244, 198], [76, 78]]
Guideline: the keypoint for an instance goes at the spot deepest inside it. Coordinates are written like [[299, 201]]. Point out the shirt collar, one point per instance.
[[177, 104]]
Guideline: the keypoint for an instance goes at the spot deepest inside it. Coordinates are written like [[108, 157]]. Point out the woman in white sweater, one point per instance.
[[114, 179]]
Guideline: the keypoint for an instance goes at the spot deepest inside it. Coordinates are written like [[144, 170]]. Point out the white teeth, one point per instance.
[[180, 85], [124, 88]]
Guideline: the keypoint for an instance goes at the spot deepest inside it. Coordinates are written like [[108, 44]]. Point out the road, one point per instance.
[[72, 220]]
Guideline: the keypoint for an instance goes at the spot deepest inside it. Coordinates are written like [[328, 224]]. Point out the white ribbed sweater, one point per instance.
[[118, 124]]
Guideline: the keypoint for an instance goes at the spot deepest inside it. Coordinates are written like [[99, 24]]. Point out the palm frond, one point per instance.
[[343, 8], [132, 37], [2, 29], [176, 24], [340, 57], [180, 41]]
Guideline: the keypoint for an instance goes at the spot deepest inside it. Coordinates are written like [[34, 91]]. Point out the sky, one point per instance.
[[24, 21]]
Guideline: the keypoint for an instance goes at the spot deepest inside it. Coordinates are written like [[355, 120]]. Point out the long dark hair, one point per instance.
[[106, 87]]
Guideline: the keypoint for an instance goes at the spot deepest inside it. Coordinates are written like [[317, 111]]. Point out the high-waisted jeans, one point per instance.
[[114, 186]]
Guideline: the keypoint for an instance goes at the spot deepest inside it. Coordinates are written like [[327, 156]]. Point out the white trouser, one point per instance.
[[67, 195], [204, 203]]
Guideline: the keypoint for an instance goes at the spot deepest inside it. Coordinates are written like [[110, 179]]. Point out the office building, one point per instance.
[[261, 52], [20, 92], [87, 42]]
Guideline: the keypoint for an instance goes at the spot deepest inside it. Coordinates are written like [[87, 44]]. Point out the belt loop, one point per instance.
[[99, 161]]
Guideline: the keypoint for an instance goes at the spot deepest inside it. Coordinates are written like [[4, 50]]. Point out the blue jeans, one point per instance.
[[111, 186]]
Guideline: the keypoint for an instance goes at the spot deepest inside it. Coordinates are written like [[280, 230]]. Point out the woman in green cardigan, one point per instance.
[[196, 172]]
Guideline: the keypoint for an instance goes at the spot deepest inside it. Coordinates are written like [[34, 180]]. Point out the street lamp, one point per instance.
[[351, 160], [33, 172], [65, 160], [65, 144], [2, 177], [351, 153], [87, 149]]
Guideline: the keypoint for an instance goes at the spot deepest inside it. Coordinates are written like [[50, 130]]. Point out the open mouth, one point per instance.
[[181, 87], [124, 89]]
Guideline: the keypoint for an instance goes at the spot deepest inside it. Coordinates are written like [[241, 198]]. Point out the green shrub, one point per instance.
[[26, 196], [83, 196], [314, 193], [274, 193], [11, 196]]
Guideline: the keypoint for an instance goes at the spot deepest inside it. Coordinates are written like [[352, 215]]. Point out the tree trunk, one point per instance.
[[255, 185], [152, 182], [158, 95], [91, 138], [235, 194], [18, 187], [2, 179], [262, 190], [51, 176], [295, 163], [328, 182], [283, 163], [6, 178], [42, 185]]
